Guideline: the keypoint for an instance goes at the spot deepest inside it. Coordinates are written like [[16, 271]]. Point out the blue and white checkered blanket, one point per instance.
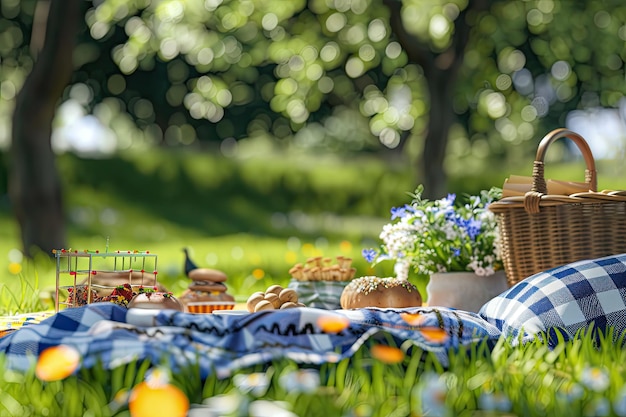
[[224, 343]]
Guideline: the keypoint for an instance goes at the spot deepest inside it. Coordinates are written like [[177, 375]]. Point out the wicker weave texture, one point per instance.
[[540, 231]]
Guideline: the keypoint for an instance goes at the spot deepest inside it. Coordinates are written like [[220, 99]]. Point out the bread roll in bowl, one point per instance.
[[373, 291], [156, 300]]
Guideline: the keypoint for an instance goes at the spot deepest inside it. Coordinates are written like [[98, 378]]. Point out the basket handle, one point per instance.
[[539, 180]]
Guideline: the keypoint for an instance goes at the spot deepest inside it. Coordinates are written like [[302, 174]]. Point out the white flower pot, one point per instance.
[[464, 290]]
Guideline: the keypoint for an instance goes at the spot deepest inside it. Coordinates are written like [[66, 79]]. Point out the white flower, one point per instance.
[[233, 404], [401, 269], [595, 378], [303, 380], [480, 271], [264, 408], [256, 383]]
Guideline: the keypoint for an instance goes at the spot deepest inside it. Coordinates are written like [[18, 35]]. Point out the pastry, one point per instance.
[[373, 291]]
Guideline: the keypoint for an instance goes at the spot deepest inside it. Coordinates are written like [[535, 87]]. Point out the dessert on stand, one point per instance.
[[126, 278], [207, 291], [93, 276]]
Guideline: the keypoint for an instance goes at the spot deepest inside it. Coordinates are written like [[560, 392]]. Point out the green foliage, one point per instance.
[[254, 69]]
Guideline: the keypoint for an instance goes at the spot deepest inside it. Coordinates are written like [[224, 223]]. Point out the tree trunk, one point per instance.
[[441, 71], [34, 184], [441, 116]]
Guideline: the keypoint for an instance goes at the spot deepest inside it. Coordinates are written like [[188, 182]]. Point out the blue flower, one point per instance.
[[494, 401], [570, 392], [619, 403], [473, 227], [400, 212], [598, 407], [369, 254], [397, 212], [431, 393], [456, 251]]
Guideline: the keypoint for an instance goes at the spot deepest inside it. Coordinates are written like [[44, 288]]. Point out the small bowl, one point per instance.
[[207, 307]]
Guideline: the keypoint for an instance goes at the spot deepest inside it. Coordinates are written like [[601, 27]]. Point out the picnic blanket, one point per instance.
[[113, 335]]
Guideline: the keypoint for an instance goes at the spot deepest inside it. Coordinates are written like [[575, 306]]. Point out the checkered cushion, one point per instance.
[[563, 300]]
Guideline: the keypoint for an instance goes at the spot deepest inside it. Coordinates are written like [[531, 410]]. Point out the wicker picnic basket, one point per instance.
[[539, 231]]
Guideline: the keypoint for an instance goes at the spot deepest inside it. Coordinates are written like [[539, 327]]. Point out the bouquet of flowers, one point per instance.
[[441, 236]]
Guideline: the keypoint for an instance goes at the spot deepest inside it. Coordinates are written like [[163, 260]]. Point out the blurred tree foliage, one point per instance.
[[461, 83]]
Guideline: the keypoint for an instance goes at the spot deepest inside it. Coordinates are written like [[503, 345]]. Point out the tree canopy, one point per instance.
[[436, 80], [330, 73]]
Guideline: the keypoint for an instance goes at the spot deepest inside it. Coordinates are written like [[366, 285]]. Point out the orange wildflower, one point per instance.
[[413, 319], [332, 324], [434, 334], [387, 354]]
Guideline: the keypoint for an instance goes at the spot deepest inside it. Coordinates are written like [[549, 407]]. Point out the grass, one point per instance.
[[256, 241], [253, 219], [581, 377]]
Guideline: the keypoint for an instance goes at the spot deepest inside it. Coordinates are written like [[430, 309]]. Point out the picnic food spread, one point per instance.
[[275, 297], [318, 283], [373, 291]]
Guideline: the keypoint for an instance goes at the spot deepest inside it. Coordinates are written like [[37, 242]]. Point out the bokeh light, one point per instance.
[[413, 319], [387, 354], [57, 362], [15, 268], [157, 400], [332, 324], [434, 334]]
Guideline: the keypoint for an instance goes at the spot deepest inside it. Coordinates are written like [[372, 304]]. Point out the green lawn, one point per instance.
[[255, 234], [253, 218]]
